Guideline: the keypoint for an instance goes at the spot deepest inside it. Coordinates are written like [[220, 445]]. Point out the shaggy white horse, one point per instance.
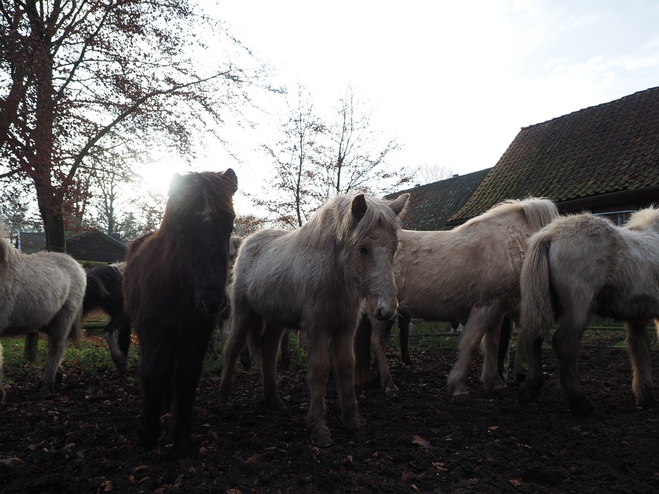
[[316, 279], [40, 292], [583, 265], [468, 273]]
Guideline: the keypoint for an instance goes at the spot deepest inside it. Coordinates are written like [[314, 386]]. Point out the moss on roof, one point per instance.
[[605, 148], [431, 205]]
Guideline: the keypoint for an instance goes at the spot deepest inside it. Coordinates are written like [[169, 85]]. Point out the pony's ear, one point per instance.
[[359, 207], [399, 204], [231, 175], [175, 184]]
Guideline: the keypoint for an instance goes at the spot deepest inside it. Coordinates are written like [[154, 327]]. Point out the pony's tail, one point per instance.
[[537, 311]]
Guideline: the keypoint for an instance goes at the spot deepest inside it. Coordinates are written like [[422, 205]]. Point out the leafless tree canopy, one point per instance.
[[83, 83]]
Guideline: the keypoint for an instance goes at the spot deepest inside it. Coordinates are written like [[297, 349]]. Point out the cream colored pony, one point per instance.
[[40, 292], [317, 279], [468, 273], [583, 265]]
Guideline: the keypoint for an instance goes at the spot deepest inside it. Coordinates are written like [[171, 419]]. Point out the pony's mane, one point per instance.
[[216, 189], [539, 211], [336, 215], [643, 219]]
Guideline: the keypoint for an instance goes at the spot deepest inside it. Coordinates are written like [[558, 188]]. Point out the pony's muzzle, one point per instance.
[[384, 313], [211, 301]]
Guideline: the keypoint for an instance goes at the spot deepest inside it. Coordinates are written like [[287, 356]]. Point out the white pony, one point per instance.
[[40, 292], [318, 279], [583, 265]]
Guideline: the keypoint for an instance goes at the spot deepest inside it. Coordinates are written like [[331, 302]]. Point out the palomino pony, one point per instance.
[[582, 265], [470, 272], [104, 291], [174, 288], [315, 279], [40, 292]]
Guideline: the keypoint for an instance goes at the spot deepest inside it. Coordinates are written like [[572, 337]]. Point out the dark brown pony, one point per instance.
[[174, 288], [104, 292]]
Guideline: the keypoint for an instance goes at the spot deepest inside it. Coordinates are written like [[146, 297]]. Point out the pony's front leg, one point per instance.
[[638, 346], [472, 334], [318, 368], [189, 364], [379, 338], [344, 368], [269, 347], [156, 371]]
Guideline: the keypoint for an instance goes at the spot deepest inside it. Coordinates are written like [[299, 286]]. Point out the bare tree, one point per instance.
[[315, 160], [356, 157], [295, 156], [74, 75], [429, 173]]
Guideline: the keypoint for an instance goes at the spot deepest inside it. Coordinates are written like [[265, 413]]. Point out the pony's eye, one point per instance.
[[363, 251]]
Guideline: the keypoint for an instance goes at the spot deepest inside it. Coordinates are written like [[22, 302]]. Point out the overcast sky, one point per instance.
[[452, 81]]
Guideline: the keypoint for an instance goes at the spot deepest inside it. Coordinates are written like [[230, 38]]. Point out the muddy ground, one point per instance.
[[84, 439]]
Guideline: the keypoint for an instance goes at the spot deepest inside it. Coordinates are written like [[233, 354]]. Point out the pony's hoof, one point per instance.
[[323, 441], [355, 423], [184, 451], [647, 402], [275, 402], [525, 397], [582, 406], [148, 438], [461, 397], [46, 393], [501, 392], [392, 392]]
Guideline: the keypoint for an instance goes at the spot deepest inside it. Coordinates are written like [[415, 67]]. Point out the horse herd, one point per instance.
[[350, 262]]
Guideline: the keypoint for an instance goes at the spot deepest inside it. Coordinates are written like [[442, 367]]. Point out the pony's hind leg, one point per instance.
[[404, 337], [638, 347], [534, 380], [269, 346], [3, 393], [117, 336], [471, 338], [57, 333], [240, 327], [490, 376], [379, 337], [566, 343]]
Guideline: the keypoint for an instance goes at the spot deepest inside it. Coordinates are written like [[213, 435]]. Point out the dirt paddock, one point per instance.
[[83, 440]]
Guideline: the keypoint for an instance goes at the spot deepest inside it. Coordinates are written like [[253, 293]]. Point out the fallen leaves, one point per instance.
[[515, 481], [424, 443]]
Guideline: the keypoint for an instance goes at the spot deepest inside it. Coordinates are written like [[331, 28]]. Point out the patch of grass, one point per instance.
[[92, 355]]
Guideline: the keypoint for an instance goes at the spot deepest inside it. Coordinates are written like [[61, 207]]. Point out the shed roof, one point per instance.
[[431, 205], [598, 150]]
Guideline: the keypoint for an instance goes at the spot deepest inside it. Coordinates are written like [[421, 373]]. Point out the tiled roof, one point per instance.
[[431, 205], [598, 150]]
